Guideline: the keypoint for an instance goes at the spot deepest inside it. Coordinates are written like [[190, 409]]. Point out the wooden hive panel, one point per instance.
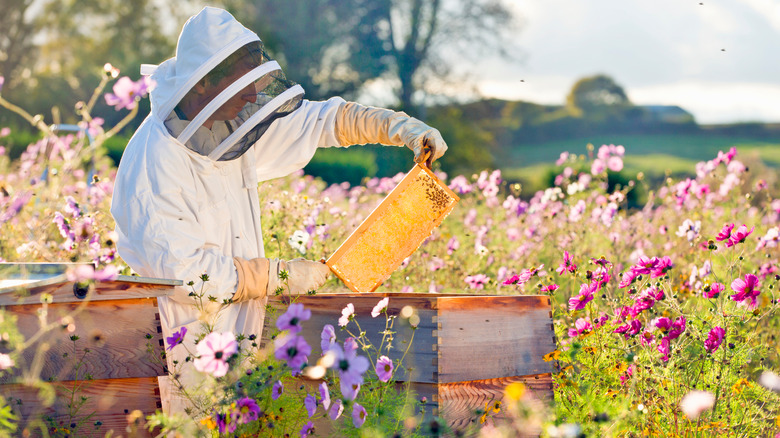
[[393, 231], [491, 337], [108, 401], [114, 332]]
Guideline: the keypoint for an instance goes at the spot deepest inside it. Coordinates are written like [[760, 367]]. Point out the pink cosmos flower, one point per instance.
[[549, 288], [311, 404], [225, 423], [328, 337], [645, 265], [663, 348], [127, 93], [88, 272], [598, 167], [628, 278], [746, 289], [627, 375], [452, 245], [176, 339], [380, 307], [567, 265], [277, 390], [725, 233], [347, 313], [663, 266], [629, 329], [307, 429], [739, 235], [477, 281], [579, 301], [213, 352], [350, 366], [292, 318], [384, 368], [714, 339], [677, 328], [358, 415], [335, 410], [324, 396], [246, 411], [714, 290], [696, 402], [293, 349], [581, 326], [562, 158]]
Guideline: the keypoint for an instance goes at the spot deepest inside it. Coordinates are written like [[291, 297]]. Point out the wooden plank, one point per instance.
[[111, 400], [493, 337], [458, 402], [393, 230], [421, 361], [113, 332], [102, 291]]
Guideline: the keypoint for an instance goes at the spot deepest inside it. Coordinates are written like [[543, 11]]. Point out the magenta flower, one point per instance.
[[224, 423], [663, 266], [714, 339], [292, 318], [347, 313], [293, 349], [579, 301], [677, 328], [328, 337], [324, 396], [663, 348], [550, 288], [311, 404], [645, 265], [246, 410], [277, 390], [307, 429], [739, 235], [746, 289], [628, 278], [567, 265], [213, 352], [714, 290], [477, 281], [627, 375], [522, 278], [127, 93], [358, 415], [725, 233], [380, 307], [384, 368], [452, 245], [176, 339], [581, 326], [630, 329]]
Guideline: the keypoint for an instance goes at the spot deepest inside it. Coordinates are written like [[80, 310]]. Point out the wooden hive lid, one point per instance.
[[23, 283]]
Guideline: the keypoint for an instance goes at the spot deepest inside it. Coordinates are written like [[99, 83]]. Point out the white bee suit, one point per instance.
[[180, 214]]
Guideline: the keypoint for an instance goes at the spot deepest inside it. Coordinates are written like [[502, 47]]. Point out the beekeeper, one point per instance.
[[223, 119]]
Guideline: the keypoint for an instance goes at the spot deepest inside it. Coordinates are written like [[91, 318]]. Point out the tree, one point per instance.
[[337, 46], [598, 98]]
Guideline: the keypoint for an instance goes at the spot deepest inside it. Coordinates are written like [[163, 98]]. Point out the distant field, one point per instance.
[[688, 147], [654, 155]]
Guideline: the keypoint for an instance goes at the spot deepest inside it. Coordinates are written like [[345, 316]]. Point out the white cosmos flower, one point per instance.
[[298, 241]]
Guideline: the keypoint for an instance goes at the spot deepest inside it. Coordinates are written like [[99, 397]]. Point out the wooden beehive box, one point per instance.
[[393, 231], [466, 348], [113, 361]]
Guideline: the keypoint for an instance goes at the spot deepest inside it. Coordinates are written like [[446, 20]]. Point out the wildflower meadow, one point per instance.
[[665, 313]]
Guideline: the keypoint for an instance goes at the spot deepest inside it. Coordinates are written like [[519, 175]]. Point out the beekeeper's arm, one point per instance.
[[261, 276], [358, 124]]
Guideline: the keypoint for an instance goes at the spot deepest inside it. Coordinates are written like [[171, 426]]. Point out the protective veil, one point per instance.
[[185, 198]]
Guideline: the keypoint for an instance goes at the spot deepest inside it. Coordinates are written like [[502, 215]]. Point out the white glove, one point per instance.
[[358, 124], [302, 275]]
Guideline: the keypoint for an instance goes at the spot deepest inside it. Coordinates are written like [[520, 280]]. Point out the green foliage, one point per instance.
[[336, 165]]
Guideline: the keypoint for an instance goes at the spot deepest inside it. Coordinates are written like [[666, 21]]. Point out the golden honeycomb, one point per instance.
[[393, 231]]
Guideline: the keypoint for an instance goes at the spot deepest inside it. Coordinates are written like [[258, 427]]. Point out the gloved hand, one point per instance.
[[302, 275], [358, 124], [260, 276]]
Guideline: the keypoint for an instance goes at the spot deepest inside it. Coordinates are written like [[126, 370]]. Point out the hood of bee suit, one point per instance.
[[250, 91]]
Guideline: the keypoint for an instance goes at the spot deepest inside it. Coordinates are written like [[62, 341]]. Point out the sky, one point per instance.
[[717, 59]]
